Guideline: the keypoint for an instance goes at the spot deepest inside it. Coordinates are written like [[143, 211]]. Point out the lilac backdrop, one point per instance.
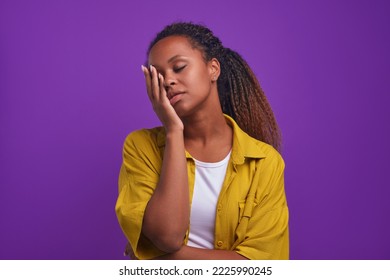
[[71, 89]]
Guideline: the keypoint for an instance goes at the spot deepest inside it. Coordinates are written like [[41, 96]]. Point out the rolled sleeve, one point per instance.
[[265, 218], [267, 236]]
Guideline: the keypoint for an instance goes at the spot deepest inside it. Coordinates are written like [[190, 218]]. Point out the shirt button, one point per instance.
[[219, 243], [219, 207]]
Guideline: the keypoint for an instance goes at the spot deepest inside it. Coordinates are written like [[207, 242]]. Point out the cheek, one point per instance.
[[199, 79]]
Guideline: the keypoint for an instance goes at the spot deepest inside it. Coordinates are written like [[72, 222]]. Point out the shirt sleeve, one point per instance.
[[138, 178], [264, 222]]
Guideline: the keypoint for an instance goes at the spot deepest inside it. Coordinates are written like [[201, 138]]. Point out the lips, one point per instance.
[[173, 94], [174, 97]]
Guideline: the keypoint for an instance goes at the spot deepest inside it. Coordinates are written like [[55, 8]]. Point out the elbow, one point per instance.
[[168, 243], [171, 247], [167, 238]]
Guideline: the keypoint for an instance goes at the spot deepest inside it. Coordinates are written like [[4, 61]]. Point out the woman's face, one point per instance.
[[188, 78]]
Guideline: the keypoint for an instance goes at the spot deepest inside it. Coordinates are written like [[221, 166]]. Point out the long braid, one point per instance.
[[248, 103], [240, 94]]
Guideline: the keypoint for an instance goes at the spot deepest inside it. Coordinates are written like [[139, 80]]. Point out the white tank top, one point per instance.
[[209, 177]]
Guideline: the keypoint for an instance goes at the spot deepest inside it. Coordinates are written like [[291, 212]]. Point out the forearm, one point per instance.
[[166, 216], [191, 253]]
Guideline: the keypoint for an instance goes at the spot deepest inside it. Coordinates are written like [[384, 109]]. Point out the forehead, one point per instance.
[[172, 46]]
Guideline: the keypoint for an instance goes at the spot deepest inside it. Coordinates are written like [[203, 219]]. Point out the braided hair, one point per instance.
[[239, 91]]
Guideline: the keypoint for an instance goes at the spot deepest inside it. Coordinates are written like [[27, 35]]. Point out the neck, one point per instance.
[[208, 137], [203, 127]]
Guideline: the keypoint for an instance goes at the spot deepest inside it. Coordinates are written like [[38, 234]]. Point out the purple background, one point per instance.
[[71, 89]]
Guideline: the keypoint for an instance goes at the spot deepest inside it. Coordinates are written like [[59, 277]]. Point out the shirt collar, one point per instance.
[[244, 146]]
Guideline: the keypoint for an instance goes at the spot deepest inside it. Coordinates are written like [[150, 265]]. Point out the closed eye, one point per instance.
[[179, 69]]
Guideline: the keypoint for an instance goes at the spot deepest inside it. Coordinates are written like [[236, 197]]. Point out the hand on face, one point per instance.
[[160, 102]]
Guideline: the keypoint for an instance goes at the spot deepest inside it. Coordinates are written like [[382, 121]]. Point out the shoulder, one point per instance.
[[144, 134], [270, 152], [272, 159], [143, 139], [246, 148], [252, 148]]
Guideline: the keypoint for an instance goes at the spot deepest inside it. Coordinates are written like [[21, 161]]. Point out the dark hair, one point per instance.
[[240, 94]]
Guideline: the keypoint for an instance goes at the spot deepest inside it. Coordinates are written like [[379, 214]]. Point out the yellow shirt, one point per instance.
[[252, 213]]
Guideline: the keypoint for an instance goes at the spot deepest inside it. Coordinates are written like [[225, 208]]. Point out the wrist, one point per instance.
[[174, 132]]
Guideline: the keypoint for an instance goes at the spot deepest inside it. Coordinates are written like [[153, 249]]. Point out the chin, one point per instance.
[[183, 111]]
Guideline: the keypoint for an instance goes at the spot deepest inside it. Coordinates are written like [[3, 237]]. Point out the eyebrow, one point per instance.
[[178, 56], [175, 57]]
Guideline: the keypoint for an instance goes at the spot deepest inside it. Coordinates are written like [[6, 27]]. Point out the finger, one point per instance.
[[163, 92], [148, 82], [132, 256], [155, 86]]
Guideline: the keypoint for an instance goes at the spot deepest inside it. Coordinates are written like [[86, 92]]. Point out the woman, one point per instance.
[[209, 183]]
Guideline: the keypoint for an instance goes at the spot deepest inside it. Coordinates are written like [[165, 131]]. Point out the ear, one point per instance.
[[215, 69]]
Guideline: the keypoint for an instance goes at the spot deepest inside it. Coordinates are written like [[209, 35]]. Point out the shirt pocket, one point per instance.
[[245, 208]]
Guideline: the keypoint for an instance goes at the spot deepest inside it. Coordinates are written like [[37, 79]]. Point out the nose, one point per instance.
[[169, 80]]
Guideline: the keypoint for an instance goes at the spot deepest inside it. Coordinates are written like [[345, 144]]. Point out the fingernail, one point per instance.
[[143, 68], [160, 76], [151, 68]]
